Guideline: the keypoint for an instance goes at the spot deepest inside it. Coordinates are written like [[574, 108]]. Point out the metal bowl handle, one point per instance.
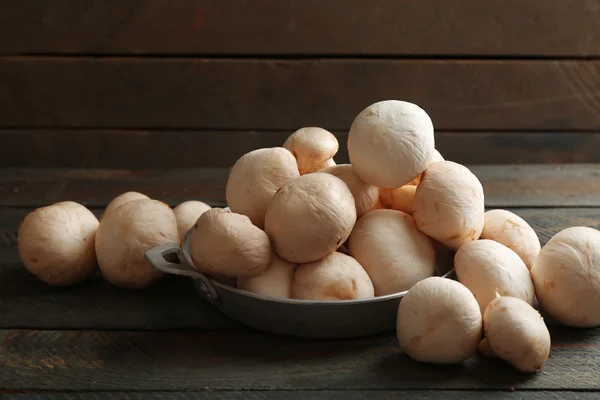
[[157, 257]]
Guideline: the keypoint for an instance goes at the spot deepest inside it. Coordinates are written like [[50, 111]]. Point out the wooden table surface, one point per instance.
[[97, 341]]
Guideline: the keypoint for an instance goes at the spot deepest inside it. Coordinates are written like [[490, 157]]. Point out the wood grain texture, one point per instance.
[[289, 94], [142, 149], [108, 360], [26, 303], [559, 185], [311, 395], [380, 27]]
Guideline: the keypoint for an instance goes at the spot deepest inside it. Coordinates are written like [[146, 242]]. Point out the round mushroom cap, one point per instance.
[[512, 231], [312, 146], [310, 217], [391, 143], [320, 166], [566, 274], [335, 277], [187, 213], [276, 281], [449, 204], [56, 243], [227, 243], [254, 179], [365, 195], [126, 234], [488, 268], [516, 333], [392, 251], [400, 199], [122, 199], [439, 322]]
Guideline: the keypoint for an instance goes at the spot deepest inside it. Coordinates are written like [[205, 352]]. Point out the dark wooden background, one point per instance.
[[197, 83]]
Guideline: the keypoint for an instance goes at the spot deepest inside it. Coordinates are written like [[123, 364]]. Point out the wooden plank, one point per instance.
[[26, 303], [132, 361], [310, 395], [137, 149], [557, 185], [379, 27], [288, 94]]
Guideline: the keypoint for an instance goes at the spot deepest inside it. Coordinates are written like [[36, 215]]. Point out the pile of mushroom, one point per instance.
[[300, 226]]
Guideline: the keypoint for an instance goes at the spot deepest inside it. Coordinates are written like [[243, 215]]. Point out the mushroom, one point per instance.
[[122, 199], [335, 277], [512, 231], [365, 195], [227, 243], [124, 236], [391, 143], [276, 281], [312, 147], [310, 217], [487, 267], [254, 179], [439, 322], [400, 199], [187, 213], [516, 333], [56, 243], [392, 251], [449, 204], [566, 274]]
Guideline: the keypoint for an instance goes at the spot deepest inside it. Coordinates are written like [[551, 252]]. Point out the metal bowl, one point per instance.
[[289, 317]]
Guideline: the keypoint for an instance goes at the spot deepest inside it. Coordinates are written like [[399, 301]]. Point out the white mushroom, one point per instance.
[[439, 322], [516, 333], [335, 277], [227, 243], [124, 236], [365, 195], [122, 199], [187, 213], [449, 204], [488, 268], [310, 217], [392, 251], [566, 274], [400, 199], [254, 179], [313, 147], [276, 281], [512, 231], [391, 143], [56, 243]]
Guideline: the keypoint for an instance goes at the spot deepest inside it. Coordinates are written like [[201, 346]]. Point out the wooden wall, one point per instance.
[[178, 83]]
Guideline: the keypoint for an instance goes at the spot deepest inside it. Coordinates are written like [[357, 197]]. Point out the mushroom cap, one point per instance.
[[439, 322], [122, 199], [319, 166], [187, 213], [365, 195], [310, 217], [335, 277], [312, 146], [516, 333], [254, 179], [449, 204], [124, 236], [400, 199], [276, 281], [227, 243], [487, 267], [392, 251], [512, 231], [56, 243], [391, 143], [566, 274]]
